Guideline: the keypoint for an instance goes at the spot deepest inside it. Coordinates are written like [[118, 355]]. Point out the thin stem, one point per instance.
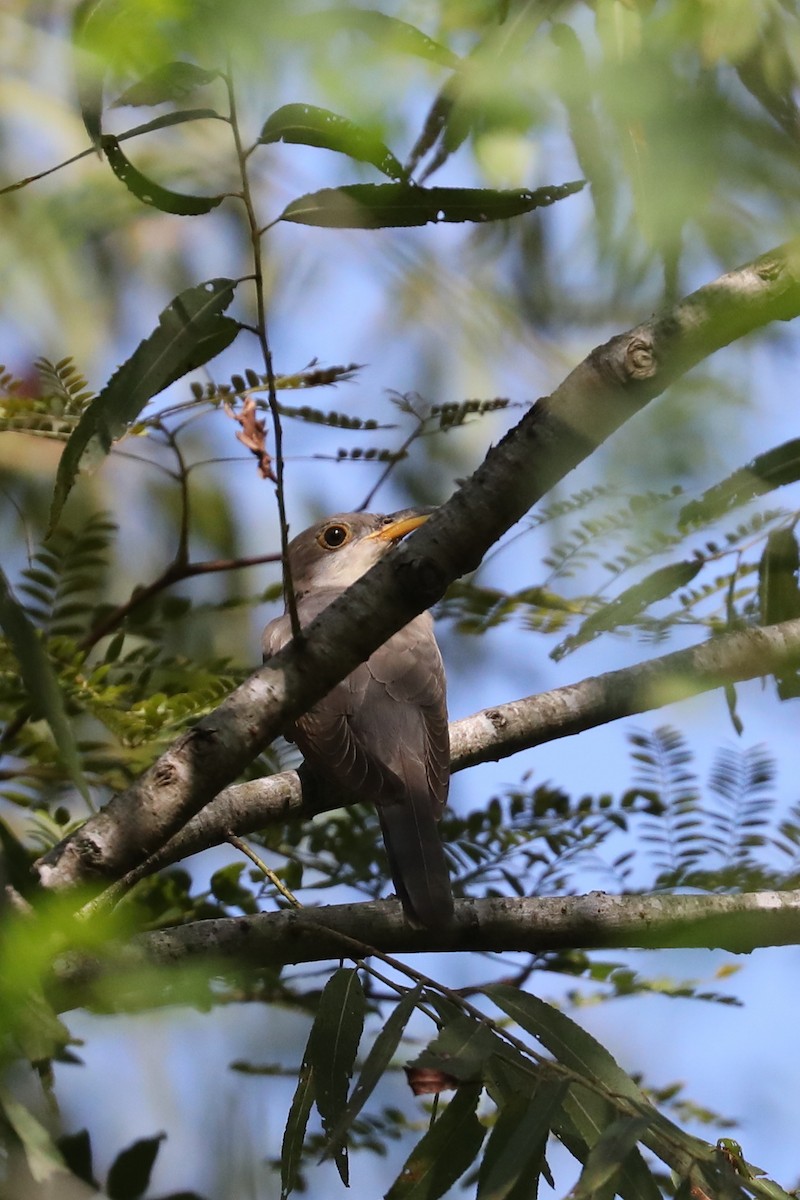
[[263, 338], [176, 572], [239, 844]]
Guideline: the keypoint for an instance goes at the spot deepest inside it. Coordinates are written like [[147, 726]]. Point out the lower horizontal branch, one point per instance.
[[506, 729], [738, 923]]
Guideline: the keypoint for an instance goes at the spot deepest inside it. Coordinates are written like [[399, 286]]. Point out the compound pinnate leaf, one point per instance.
[[40, 680]]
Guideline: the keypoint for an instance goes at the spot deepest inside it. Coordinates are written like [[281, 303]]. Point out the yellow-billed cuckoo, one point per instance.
[[381, 734]]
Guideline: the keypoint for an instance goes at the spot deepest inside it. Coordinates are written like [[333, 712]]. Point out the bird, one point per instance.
[[381, 735]]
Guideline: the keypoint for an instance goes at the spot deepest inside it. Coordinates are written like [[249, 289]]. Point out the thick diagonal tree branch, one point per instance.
[[506, 729], [613, 383]]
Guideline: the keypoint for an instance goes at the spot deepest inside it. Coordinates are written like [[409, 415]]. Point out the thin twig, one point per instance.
[[263, 338]]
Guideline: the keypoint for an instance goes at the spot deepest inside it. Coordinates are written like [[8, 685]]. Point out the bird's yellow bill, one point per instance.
[[399, 529]]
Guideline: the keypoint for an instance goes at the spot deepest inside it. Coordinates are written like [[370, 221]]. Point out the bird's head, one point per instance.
[[344, 547]]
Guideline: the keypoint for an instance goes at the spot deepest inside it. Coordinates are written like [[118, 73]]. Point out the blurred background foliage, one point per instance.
[[417, 346]]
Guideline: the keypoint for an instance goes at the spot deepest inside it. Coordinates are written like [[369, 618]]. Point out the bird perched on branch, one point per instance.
[[381, 734]]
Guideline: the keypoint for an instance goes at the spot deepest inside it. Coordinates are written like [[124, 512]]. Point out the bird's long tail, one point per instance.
[[417, 861]]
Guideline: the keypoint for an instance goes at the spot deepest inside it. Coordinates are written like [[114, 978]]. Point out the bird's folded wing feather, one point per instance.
[[382, 736]]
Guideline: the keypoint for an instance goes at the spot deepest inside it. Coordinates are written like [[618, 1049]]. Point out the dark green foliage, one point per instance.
[[150, 192], [393, 205]]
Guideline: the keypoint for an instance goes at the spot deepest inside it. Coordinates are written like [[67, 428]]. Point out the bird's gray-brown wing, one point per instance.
[[381, 735]]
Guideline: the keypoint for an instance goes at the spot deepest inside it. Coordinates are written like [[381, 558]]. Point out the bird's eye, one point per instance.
[[333, 536]]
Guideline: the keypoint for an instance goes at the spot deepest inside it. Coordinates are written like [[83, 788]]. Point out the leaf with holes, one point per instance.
[[398, 205], [152, 193]]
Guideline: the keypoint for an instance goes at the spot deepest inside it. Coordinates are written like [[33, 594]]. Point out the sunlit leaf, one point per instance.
[[41, 1153], [308, 125], [170, 81]]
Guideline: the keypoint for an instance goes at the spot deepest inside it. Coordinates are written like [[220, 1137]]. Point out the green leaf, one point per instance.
[[41, 682], [773, 469], [332, 1049], [394, 205], [462, 1049], [608, 1155], [41, 1153], [168, 119], [152, 193], [387, 32], [129, 1174], [295, 1131], [515, 1153], [170, 81], [374, 1067], [778, 592], [190, 331], [628, 604], [587, 1112], [307, 125], [444, 1153]]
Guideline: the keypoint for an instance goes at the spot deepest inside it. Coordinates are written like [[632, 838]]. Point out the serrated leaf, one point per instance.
[[191, 330], [444, 1153], [462, 1049], [577, 1050], [375, 1065], [608, 1155], [170, 81], [41, 1153], [150, 192], [40, 681], [332, 1048], [395, 205], [514, 1155], [129, 1174], [308, 125], [295, 1131]]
